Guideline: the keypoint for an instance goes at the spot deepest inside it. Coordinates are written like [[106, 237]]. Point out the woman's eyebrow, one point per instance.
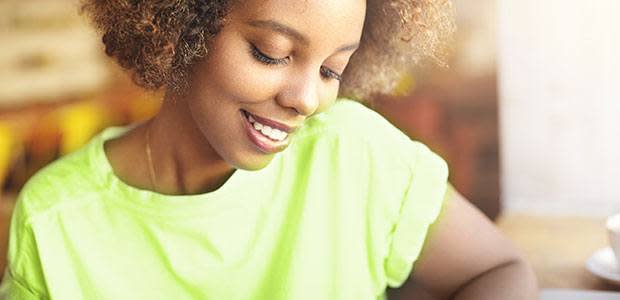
[[350, 47], [281, 28], [293, 33]]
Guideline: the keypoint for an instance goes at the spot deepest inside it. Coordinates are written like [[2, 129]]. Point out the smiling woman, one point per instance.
[[255, 180]]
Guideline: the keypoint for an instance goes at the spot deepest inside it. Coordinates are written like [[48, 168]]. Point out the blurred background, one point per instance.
[[526, 115]]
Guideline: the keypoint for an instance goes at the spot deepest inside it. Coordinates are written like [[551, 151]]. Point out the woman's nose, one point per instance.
[[301, 94]]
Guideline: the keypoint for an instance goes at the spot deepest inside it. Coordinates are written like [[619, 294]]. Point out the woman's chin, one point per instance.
[[252, 162]]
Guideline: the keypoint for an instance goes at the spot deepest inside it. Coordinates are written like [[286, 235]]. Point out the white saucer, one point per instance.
[[603, 264]]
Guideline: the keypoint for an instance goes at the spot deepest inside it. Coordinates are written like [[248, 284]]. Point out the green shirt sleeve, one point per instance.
[[419, 209], [409, 183], [23, 277]]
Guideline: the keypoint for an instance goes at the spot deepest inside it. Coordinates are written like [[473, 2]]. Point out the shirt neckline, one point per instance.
[[159, 203]]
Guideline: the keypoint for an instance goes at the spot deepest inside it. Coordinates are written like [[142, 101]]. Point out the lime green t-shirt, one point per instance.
[[342, 213]]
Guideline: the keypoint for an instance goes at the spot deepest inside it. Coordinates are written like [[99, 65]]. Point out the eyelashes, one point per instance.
[[267, 60], [327, 73], [264, 58]]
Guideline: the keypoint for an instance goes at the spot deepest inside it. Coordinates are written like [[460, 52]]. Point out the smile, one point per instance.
[[267, 137], [272, 133]]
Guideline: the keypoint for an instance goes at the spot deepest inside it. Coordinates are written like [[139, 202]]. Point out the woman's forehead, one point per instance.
[[340, 21]]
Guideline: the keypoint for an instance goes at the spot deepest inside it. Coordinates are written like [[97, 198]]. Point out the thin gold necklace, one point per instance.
[[149, 158]]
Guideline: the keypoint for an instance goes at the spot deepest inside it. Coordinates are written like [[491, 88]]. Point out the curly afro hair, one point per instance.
[[159, 41]]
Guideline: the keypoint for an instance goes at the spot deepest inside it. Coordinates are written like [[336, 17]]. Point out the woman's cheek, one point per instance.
[[254, 82]]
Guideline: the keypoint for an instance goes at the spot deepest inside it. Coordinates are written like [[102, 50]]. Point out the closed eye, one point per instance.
[[264, 58], [329, 74]]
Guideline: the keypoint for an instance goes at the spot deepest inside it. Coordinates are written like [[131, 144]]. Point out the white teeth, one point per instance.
[[266, 130], [280, 135], [272, 133], [275, 134]]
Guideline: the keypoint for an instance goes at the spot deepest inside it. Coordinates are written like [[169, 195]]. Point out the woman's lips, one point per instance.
[[263, 143], [271, 123]]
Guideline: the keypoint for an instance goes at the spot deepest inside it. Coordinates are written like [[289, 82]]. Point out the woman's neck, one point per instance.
[[182, 161]]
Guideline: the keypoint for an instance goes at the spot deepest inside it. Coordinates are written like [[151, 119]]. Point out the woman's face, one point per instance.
[[273, 64]]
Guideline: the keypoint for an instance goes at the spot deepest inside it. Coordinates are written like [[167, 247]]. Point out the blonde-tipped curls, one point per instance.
[[398, 34]]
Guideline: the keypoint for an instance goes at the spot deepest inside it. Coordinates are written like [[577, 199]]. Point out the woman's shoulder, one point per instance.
[[352, 123], [64, 180], [350, 116]]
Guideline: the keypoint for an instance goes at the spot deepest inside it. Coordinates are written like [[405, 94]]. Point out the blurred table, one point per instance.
[[566, 294], [558, 248]]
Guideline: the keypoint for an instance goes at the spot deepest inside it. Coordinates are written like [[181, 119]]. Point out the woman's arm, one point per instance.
[[466, 257]]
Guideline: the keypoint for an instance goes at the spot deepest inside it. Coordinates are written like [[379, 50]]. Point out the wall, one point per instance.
[[48, 52], [559, 64]]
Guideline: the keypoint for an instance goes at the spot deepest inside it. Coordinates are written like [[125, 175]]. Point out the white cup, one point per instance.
[[613, 229]]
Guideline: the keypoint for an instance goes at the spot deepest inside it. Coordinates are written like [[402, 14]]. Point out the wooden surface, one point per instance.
[[558, 247]]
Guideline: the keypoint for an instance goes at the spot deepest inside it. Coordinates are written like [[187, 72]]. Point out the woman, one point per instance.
[[253, 181]]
